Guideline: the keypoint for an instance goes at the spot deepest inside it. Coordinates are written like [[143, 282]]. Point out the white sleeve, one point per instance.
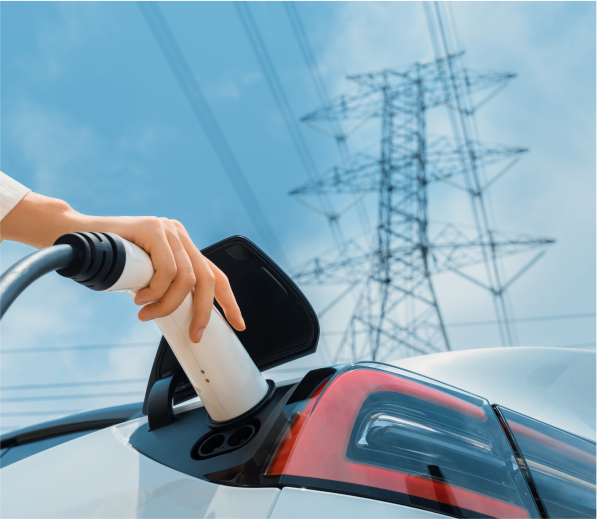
[[11, 193]]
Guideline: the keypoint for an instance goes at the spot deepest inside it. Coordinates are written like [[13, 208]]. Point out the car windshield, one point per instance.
[[562, 465]]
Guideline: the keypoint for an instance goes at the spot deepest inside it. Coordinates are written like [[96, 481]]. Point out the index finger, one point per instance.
[[225, 296], [211, 282]]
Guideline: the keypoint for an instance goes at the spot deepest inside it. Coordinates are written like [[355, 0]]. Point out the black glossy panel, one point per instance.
[[281, 324], [256, 290], [239, 252], [177, 446]]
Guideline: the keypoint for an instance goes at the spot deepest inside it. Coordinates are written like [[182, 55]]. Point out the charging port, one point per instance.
[[217, 443]]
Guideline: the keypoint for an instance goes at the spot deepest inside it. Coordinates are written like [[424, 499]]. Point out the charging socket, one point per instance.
[[222, 442]]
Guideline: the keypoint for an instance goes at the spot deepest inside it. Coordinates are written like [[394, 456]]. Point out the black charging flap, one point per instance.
[[281, 324]]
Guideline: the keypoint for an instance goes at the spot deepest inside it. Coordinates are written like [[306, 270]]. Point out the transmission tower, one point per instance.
[[396, 312]]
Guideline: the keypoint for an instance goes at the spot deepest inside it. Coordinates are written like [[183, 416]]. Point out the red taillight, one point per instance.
[[299, 419], [562, 466], [551, 443], [419, 442]]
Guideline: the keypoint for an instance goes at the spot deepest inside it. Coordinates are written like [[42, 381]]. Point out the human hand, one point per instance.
[[180, 267], [38, 220]]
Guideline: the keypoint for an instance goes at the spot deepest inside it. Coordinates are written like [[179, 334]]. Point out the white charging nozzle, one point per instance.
[[219, 368]]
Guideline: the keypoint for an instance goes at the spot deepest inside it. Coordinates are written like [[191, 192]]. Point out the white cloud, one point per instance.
[[251, 78], [228, 90]]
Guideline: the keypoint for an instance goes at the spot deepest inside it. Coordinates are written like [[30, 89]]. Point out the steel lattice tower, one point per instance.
[[396, 310]]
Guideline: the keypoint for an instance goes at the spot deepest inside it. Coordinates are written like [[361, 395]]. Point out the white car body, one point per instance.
[[102, 475]]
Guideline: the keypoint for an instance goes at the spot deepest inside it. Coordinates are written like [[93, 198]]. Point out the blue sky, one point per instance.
[[92, 114]]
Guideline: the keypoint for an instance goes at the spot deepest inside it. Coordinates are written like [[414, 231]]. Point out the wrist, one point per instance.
[[128, 227]]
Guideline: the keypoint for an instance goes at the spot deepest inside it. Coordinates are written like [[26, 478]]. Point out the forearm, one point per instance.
[[38, 221]]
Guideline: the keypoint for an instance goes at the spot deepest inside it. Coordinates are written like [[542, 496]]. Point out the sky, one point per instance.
[[92, 114]]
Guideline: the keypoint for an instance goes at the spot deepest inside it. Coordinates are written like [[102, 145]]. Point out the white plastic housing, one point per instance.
[[220, 369]]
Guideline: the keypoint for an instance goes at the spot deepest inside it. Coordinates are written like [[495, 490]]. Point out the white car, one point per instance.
[[506, 432], [516, 438]]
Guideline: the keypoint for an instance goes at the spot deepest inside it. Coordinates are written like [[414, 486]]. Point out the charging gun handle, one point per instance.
[[219, 367]]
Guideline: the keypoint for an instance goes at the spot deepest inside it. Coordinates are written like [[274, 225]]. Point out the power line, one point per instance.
[[458, 92], [275, 85], [269, 71], [526, 319], [40, 413], [309, 57], [580, 345], [69, 397], [203, 113], [74, 384], [521, 320], [52, 349], [323, 94]]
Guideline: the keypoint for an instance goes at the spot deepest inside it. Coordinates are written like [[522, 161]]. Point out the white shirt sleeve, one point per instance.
[[11, 193]]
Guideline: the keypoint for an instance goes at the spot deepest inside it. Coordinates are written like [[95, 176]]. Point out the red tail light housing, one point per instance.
[[377, 431], [562, 466]]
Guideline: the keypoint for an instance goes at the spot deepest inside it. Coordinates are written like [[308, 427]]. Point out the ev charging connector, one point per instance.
[[219, 368]]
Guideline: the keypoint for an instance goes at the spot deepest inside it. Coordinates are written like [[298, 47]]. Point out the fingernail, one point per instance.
[[243, 321], [199, 335], [145, 319], [142, 302]]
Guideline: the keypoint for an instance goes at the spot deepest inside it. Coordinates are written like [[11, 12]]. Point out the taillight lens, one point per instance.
[[562, 465], [386, 433]]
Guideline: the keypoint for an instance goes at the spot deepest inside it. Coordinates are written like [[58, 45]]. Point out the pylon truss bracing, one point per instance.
[[390, 275]]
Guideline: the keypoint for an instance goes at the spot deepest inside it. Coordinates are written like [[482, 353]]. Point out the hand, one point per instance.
[[180, 267], [38, 221]]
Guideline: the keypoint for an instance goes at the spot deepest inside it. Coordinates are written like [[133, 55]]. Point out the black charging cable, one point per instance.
[[18, 277], [93, 259]]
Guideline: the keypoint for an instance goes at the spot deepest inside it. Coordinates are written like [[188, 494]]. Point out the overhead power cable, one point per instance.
[[269, 71], [322, 92], [526, 319], [303, 41], [309, 57], [324, 97], [521, 320], [70, 397], [40, 413], [52, 349], [271, 76], [74, 384], [202, 111]]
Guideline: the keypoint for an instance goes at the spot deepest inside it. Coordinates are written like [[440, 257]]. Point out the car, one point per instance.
[[505, 432], [489, 432]]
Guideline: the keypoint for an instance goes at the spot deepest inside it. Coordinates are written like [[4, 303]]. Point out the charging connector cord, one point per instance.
[[93, 259], [18, 277]]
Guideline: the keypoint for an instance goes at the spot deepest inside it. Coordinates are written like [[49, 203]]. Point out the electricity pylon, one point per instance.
[[396, 312]]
